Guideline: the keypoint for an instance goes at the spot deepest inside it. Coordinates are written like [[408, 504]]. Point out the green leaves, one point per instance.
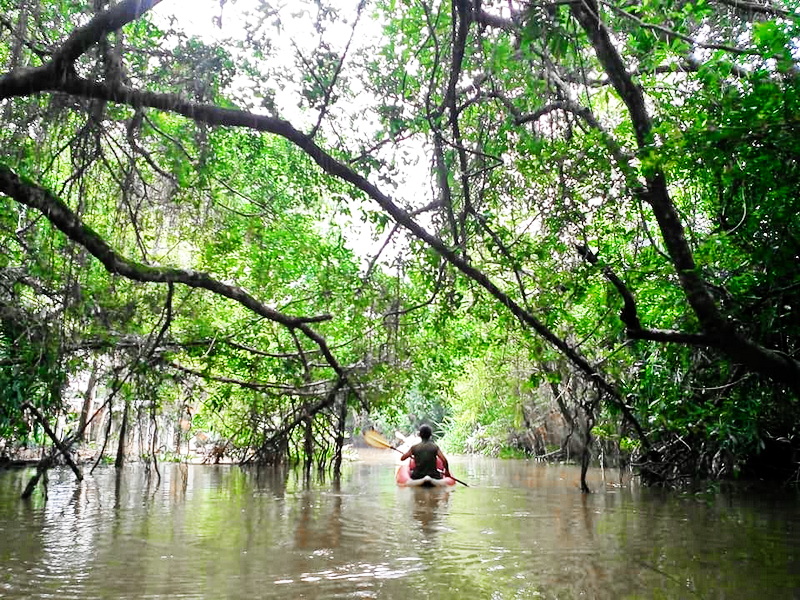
[[773, 41]]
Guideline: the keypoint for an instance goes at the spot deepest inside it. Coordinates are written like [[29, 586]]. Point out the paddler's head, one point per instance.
[[425, 433]]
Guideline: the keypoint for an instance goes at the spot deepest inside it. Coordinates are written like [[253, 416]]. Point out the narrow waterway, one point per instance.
[[521, 530]]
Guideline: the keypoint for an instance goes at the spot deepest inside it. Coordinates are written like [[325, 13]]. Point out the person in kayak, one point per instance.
[[425, 454]]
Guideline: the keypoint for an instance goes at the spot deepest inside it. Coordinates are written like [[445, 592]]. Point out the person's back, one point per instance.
[[425, 454]]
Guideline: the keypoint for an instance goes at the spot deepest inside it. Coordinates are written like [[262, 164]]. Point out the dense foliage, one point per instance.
[[532, 224]]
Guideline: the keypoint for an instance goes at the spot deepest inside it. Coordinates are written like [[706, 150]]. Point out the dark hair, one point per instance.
[[425, 432]]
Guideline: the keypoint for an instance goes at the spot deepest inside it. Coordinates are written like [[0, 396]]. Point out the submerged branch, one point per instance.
[[62, 448]]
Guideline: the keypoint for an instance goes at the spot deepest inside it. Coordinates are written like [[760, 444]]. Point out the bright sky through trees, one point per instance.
[[294, 38]]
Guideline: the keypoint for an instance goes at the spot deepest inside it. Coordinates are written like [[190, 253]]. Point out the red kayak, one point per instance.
[[403, 477]]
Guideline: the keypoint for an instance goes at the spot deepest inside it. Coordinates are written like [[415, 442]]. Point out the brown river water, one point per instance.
[[521, 530]]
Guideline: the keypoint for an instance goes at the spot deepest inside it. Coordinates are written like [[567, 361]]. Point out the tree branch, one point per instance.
[[670, 34], [767, 9], [64, 450], [630, 318], [305, 390], [64, 219], [101, 25]]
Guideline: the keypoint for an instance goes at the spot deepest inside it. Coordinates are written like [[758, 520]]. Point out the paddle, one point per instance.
[[376, 440]]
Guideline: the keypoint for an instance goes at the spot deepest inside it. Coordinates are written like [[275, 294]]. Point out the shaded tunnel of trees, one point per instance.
[[549, 228]]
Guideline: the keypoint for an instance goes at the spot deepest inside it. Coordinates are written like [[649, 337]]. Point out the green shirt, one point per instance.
[[425, 454]]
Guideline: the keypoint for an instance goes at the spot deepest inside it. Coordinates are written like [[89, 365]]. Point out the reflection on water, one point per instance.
[[522, 530], [430, 508]]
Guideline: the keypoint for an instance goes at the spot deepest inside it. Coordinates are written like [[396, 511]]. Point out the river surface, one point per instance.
[[521, 530]]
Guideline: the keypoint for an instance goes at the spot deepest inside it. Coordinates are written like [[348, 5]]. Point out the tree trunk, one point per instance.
[[123, 435], [342, 414], [88, 397], [308, 445]]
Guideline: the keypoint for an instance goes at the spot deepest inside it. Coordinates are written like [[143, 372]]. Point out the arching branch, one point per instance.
[[60, 215]]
